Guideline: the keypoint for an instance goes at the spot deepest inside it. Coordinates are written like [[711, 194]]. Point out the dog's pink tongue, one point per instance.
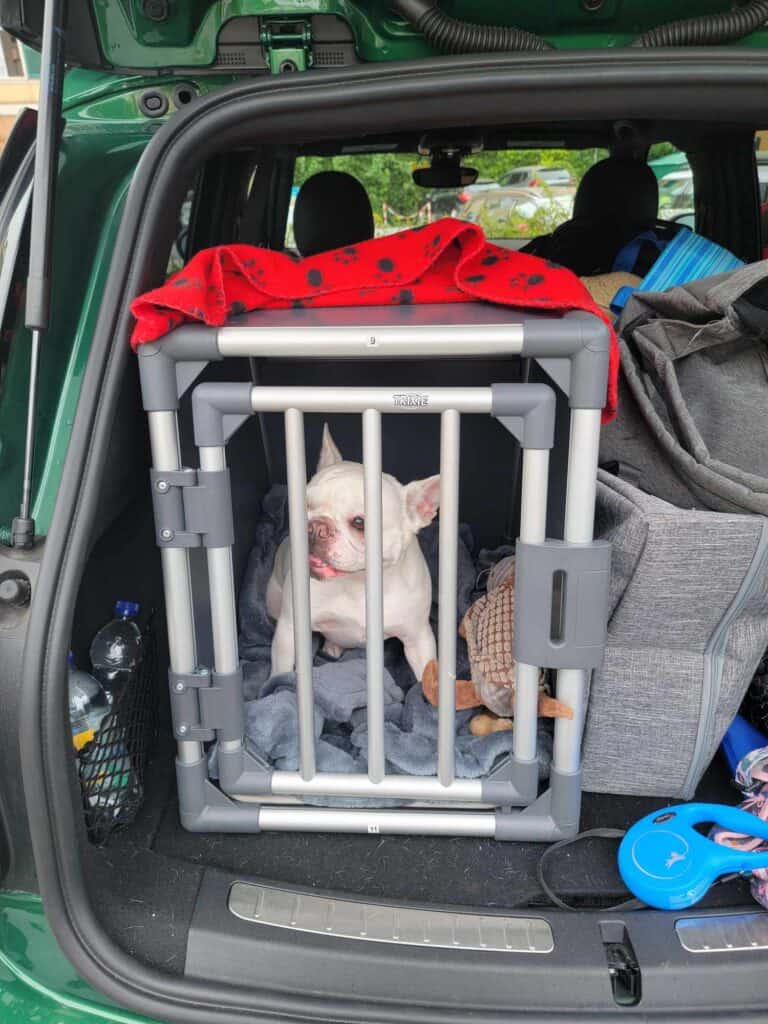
[[321, 569]]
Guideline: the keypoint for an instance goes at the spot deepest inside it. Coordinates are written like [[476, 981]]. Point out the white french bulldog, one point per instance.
[[336, 516]]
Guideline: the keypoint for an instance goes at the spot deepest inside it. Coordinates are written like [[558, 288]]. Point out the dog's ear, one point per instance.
[[422, 500], [329, 453]]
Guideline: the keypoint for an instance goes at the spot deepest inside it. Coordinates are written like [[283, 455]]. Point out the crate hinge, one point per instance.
[[207, 705], [193, 508]]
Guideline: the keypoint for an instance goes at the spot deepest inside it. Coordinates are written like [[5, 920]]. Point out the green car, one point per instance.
[[186, 125]]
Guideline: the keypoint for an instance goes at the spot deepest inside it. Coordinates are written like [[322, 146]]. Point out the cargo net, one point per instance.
[[113, 764]]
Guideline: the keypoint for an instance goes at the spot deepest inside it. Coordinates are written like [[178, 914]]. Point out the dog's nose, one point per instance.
[[319, 530]]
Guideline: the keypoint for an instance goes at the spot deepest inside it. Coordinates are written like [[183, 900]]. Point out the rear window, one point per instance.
[[675, 194], [398, 203], [676, 185], [519, 194]]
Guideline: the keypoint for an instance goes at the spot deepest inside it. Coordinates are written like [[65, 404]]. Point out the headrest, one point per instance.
[[332, 210], [619, 190]]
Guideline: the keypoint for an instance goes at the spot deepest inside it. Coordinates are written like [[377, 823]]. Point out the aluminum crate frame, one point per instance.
[[193, 508]]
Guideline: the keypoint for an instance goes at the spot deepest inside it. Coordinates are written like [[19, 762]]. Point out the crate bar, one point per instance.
[[177, 581], [221, 584], [580, 496], [394, 787], [375, 341], [296, 467], [533, 527], [357, 400], [374, 593], [375, 822], [450, 428], [221, 588]]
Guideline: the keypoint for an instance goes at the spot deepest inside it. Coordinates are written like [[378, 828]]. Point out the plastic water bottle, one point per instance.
[[88, 705], [116, 650], [112, 782]]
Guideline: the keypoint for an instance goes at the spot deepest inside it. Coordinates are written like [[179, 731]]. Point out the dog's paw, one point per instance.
[[332, 650]]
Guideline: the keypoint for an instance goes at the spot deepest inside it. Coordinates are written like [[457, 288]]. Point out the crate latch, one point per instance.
[[561, 603]]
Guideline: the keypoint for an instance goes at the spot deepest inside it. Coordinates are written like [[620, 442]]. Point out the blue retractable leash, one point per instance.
[[664, 861], [667, 864]]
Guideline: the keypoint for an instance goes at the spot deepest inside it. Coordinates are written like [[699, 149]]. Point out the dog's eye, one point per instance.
[[358, 523]]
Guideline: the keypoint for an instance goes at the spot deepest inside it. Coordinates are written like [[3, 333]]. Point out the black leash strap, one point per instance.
[[592, 833]]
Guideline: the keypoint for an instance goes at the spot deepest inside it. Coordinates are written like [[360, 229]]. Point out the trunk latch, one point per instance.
[[623, 968]]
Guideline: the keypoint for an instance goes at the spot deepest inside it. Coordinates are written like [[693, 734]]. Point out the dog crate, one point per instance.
[[561, 585]]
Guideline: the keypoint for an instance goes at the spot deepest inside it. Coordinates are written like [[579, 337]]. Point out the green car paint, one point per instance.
[[92, 167], [187, 36], [38, 985], [105, 136]]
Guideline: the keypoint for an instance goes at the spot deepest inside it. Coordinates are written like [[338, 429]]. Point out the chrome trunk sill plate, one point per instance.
[[723, 933], [377, 922]]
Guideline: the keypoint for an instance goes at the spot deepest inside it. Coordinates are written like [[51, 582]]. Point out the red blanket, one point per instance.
[[448, 261]]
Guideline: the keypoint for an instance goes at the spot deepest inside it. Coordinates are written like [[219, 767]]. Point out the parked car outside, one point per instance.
[[517, 212], [538, 177], [676, 191], [448, 202]]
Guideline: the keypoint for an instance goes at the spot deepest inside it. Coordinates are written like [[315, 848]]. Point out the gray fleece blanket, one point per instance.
[[341, 721]]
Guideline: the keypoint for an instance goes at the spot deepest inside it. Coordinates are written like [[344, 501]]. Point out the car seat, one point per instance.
[[617, 200], [332, 210]]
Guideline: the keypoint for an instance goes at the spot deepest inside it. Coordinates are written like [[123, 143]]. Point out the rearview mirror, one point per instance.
[[444, 174]]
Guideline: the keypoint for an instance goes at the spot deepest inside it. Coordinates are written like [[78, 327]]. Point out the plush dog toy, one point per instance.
[[488, 628]]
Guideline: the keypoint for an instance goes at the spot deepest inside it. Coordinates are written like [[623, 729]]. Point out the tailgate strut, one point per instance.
[[41, 237]]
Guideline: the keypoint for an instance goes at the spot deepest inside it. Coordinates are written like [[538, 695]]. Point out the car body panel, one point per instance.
[[127, 36], [37, 982], [104, 138]]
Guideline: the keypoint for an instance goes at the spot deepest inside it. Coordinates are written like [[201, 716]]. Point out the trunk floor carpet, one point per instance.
[[437, 870]]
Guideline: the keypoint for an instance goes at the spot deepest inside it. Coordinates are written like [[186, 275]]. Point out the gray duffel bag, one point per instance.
[[688, 625], [692, 425]]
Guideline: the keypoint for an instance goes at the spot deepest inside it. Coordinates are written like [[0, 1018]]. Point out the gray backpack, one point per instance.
[[692, 425], [689, 619]]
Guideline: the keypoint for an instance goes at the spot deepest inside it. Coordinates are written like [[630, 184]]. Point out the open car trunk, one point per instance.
[[149, 918], [166, 894]]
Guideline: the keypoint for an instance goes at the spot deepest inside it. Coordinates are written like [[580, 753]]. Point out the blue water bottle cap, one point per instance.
[[71, 660], [126, 609]]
